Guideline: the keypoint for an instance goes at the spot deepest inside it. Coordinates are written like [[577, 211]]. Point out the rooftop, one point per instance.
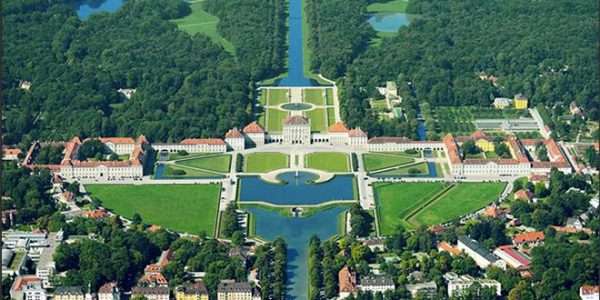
[[477, 247], [254, 127], [338, 127], [229, 286], [295, 120], [528, 237]]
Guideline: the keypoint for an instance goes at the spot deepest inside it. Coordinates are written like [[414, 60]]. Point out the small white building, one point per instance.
[[589, 292], [357, 138], [109, 291], [296, 130], [424, 289], [33, 290], [374, 285], [235, 140], [118, 145], [457, 285], [255, 133], [152, 293], [338, 134]]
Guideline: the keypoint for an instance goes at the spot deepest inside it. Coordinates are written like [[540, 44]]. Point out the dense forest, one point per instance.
[[338, 33], [258, 31], [186, 86], [439, 56]]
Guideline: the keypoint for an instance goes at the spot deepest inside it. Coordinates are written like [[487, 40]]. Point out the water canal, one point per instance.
[[297, 233]]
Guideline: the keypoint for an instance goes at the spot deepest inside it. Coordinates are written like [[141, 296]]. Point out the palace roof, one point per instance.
[[357, 132], [295, 120], [338, 127], [254, 127], [234, 134], [202, 141]]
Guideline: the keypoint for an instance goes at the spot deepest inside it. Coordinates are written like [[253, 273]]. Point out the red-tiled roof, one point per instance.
[[590, 289], [234, 134], [116, 140], [477, 135], [107, 288], [96, 214], [154, 278], [254, 127], [203, 141], [452, 148], [12, 151], [338, 127], [357, 132], [518, 149], [524, 194], [447, 247], [508, 249], [154, 228], [347, 280], [22, 281], [528, 237]]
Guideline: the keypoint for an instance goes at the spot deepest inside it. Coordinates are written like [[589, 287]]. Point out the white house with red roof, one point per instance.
[[255, 133], [235, 140]]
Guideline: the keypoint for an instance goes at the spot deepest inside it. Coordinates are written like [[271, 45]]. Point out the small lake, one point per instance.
[[87, 7], [297, 232], [297, 190], [387, 21]]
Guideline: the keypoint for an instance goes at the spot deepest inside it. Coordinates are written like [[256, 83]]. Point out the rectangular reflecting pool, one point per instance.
[[297, 190]]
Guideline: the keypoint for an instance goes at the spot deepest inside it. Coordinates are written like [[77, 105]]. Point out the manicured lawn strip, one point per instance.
[[392, 6], [402, 153], [188, 208], [314, 96], [275, 119], [262, 98], [379, 104], [330, 116], [175, 156], [396, 200], [278, 96], [14, 264], [200, 21], [404, 170], [476, 156], [438, 170], [265, 161], [461, 200], [328, 161], [329, 96], [169, 172], [317, 119], [374, 161], [217, 163]]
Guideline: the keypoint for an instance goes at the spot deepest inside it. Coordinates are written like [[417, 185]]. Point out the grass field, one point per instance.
[[200, 21], [459, 201], [265, 161], [314, 96], [374, 161], [491, 154], [175, 156], [278, 96], [395, 201], [186, 208], [318, 119], [275, 119], [262, 97], [218, 163], [328, 161], [405, 170], [330, 116], [169, 172], [392, 6], [329, 96]]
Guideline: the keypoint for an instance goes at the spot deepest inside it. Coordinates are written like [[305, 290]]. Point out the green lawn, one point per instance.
[[175, 156], [218, 163], [314, 96], [395, 201], [476, 156], [379, 104], [330, 116], [392, 6], [262, 98], [169, 172], [375, 161], [328, 161], [16, 260], [329, 96], [278, 96], [200, 21], [491, 154], [264, 162], [459, 201], [318, 120], [186, 208], [275, 119], [422, 167], [403, 153]]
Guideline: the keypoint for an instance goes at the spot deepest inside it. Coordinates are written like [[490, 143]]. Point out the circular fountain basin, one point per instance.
[[296, 106]]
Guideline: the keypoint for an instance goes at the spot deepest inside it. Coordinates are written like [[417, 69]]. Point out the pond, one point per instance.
[[296, 106], [297, 233], [87, 7], [297, 190], [387, 21]]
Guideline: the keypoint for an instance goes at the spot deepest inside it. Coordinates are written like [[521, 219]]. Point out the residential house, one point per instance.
[[196, 291], [16, 290], [378, 284], [109, 291], [69, 293], [575, 110], [589, 292], [528, 238], [574, 223], [34, 291], [375, 244], [231, 290], [425, 289], [444, 246], [524, 194], [11, 154], [481, 255], [502, 103], [151, 292], [347, 282], [237, 253], [520, 101], [457, 285]]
